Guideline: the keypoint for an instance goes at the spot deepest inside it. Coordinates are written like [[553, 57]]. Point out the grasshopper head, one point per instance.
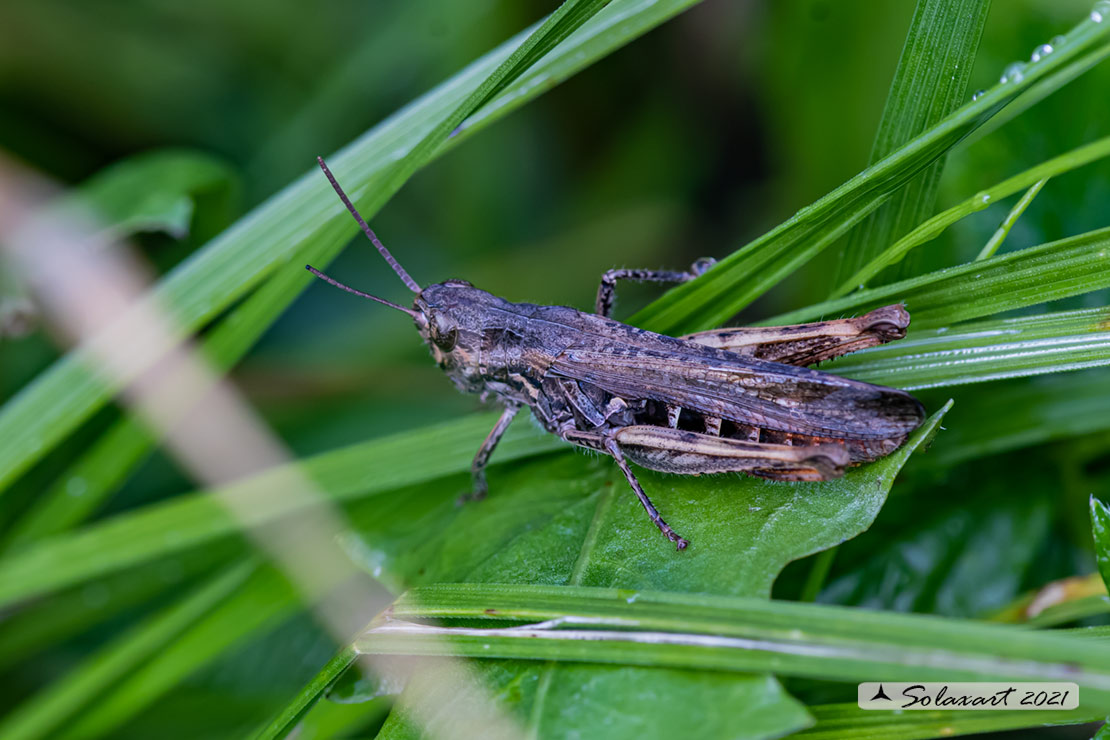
[[448, 317]]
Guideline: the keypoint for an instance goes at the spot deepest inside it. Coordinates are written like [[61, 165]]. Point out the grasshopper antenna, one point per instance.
[[349, 289], [408, 281]]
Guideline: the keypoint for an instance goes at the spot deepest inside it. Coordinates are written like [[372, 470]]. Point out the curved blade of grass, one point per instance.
[[41, 715], [267, 238], [567, 623], [929, 83], [186, 521], [983, 351], [1016, 415], [54, 621], [286, 721], [1047, 272], [849, 722], [260, 603], [100, 470], [747, 273], [1040, 91], [933, 227], [1000, 234]]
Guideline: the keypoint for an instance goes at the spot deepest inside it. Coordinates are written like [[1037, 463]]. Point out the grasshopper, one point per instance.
[[727, 400]]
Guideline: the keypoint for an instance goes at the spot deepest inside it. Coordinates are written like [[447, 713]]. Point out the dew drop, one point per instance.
[[978, 94], [632, 599], [1098, 13], [1057, 41], [1013, 73], [76, 486], [1041, 52], [983, 198]]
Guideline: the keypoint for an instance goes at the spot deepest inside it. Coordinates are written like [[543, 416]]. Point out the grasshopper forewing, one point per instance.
[[728, 400]]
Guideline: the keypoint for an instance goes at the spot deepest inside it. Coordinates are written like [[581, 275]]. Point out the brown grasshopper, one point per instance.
[[718, 401]]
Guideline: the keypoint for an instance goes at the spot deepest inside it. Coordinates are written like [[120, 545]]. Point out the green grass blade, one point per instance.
[[100, 470], [747, 273], [999, 236], [267, 238], [929, 83], [933, 227], [733, 634], [286, 721], [1019, 279], [42, 714], [849, 722], [55, 621], [187, 521], [259, 603], [983, 351], [1021, 414], [1040, 91]]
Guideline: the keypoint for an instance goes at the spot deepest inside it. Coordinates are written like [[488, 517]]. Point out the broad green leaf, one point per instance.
[[746, 274], [1027, 277], [1100, 527], [154, 191], [986, 350], [271, 236], [849, 722], [933, 227], [42, 715], [603, 625], [929, 83], [572, 521]]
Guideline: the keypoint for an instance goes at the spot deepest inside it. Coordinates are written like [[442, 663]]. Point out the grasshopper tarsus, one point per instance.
[[729, 400]]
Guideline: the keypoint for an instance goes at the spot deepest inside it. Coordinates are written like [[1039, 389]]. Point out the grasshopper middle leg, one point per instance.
[[614, 449], [606, 292]]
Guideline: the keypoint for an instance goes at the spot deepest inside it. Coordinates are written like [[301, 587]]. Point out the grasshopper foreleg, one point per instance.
[[806, 344], [606, 292], [478, 467]]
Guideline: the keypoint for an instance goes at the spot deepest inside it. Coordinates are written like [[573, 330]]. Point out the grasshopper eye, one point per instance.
[[446, 342], [445, 335]]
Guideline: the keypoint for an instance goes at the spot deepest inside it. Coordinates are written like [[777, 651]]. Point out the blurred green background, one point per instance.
[[687, 143]]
